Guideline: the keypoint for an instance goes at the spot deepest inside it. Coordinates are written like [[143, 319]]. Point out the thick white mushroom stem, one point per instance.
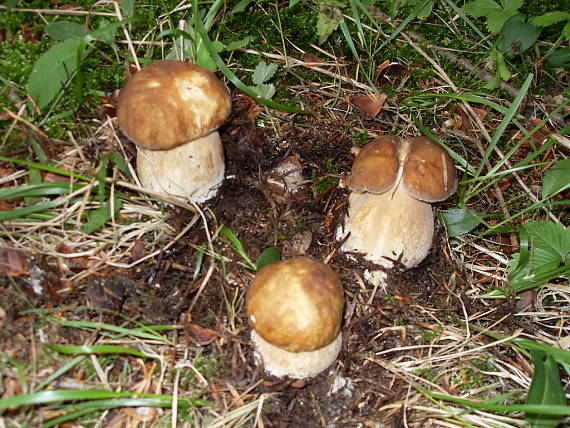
[[192, 171], [387, 226], [298, 365]]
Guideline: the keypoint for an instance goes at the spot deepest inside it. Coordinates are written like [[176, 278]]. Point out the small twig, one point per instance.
[[127, 35]]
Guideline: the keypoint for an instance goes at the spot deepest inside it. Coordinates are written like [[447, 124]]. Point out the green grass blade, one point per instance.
[[96, 349], [143, 332], [44, 167], [39, 190], [355, 54], [22, 212], [63, 369], [509, 115], [55, 396]]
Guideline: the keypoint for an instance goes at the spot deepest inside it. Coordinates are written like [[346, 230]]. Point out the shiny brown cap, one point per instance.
[[375, 168], [429, 173], [296, 304], [170, 103]]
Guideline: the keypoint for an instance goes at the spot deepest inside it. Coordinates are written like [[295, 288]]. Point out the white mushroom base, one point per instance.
[[297, 365], [192, 171], [387, 226]]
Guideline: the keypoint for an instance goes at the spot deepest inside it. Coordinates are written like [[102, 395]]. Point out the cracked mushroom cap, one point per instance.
[[427, 170], [429, 174], [170, 103], [393, 181], [295, 307]]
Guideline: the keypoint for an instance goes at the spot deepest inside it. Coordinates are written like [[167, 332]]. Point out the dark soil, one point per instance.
[[261, 215]]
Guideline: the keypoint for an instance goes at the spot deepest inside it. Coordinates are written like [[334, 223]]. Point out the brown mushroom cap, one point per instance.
[[375, 168], [296, 304], [170, 103], [429, 173]]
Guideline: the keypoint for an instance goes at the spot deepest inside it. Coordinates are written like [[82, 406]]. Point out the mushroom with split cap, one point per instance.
[[171, 110], [393, 182], [295, 307]]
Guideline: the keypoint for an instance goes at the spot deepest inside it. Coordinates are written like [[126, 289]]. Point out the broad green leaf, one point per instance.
[[560, 57], [479, 8], [328, 19], [65, 30], [10, 4], [459, 221], [497, 19], [51, 72], [238, 44], [495, 14], [502, 68], [494, 83], [268, 256], [551, 18], [204, 59], [265, 90], [34, 177], [293, 2], [120, 162], [127, 8], [517, 35], [241, 6], [263, 72], [556, 179], [106, 31], [544, 255], [550, 236], [545, 389], [426, 11]]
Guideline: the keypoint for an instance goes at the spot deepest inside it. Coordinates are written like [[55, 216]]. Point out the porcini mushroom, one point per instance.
[[393, 182], [171, 110], [295, 307]]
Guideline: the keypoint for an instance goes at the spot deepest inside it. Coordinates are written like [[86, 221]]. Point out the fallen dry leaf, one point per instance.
[[369, 105], [196, 334], [312, 61], [13, 262], [287, 177], [526, 299], [137, 252]]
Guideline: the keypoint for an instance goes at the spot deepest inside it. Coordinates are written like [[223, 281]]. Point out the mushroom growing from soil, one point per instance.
[[295, 307], [393, 182], [171, 110]]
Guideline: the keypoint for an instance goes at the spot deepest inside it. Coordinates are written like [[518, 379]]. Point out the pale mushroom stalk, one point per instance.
[[376, 224], [168, 171]]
